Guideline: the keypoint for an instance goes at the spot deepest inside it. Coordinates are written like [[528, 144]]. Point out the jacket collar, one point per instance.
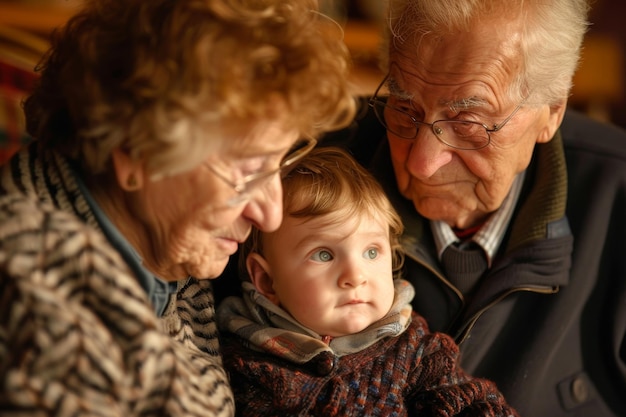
[[539, 233]]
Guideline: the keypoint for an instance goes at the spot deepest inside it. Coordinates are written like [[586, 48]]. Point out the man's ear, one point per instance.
[[128, 172], [555, 117], [260, 275]]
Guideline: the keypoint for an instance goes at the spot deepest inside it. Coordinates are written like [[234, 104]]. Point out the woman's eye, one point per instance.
[[253, 166], [250, 166], [322, 256], [371, 253]]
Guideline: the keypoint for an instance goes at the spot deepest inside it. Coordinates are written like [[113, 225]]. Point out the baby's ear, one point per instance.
[[260, 275]]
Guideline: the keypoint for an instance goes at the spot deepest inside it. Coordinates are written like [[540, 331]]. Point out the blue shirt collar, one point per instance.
[[158, 290]]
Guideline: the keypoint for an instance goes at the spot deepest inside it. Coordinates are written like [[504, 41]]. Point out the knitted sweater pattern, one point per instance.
[[78, 335], [412, 373]]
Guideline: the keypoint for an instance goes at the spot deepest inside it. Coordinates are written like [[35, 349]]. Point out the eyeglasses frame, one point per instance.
[[241, 186], [496, 127]]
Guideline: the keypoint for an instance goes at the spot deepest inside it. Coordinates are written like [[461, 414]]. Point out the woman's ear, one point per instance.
[[260, 275], [129, 173]]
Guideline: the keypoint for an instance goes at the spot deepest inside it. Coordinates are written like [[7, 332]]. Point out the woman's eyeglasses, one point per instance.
[[246, 185]]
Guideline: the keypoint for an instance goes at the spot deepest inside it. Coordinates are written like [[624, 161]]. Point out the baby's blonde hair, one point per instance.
[[329, 180]]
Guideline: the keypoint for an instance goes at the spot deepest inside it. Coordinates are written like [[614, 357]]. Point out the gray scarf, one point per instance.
[[269, 328]]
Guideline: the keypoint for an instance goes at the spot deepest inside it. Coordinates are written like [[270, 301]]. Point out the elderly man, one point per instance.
[[515, 209]]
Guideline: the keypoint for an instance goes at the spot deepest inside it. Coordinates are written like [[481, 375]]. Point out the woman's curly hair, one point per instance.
[[159, 77]]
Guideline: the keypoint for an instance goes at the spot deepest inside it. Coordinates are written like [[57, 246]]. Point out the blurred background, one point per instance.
[[599, 84]]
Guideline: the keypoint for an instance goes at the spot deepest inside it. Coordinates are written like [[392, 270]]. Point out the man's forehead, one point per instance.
[[405, 85], [457, 63]]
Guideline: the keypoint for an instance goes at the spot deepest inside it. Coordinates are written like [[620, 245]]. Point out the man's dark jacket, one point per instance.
[[548, 321]]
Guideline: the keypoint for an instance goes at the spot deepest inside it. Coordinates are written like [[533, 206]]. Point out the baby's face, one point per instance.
[[333, 276]]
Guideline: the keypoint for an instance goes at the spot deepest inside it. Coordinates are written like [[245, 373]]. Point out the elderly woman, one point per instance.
[[161, 128]]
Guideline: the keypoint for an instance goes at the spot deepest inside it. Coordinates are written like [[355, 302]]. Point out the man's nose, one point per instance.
[[427, 154]]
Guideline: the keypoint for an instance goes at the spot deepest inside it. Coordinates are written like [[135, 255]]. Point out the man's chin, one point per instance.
[[434, 211]]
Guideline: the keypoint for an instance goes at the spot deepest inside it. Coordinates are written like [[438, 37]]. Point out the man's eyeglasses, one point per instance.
[[246, 185], [457, 134]]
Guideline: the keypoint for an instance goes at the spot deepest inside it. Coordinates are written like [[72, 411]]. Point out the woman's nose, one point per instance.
[[265, 207]]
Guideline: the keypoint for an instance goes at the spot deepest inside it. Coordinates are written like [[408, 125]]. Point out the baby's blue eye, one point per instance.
[[371, 253], [322, 256]]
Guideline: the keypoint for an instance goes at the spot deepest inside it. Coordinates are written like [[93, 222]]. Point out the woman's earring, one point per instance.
[[131, 182]]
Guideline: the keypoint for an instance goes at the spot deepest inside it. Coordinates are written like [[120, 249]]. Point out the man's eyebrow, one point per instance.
[[465, 103], [396, 91], [454, 105]]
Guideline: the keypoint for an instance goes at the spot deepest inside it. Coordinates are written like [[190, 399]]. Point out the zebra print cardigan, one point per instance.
[[78, 335]]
